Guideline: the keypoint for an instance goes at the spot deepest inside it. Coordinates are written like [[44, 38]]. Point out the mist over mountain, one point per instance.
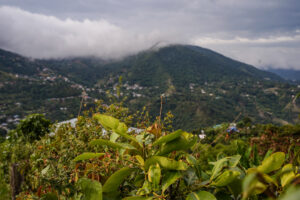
[[200, 87], [261, 33]]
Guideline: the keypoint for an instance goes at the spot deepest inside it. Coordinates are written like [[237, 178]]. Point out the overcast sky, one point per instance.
[[264, 33]]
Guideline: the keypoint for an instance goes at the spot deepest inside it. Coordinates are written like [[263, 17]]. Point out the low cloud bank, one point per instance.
[[41, 36], [267, 52]]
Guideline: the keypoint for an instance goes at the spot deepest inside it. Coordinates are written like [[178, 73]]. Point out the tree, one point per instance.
[[33, 127]]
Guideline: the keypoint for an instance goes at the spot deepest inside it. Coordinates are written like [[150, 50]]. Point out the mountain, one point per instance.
[[197, 84], [204, 87], [188, 64], [27, 86], [288, 74]]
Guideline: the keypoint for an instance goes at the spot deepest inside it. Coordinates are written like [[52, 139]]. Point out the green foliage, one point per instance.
[[92, 190], [114, 181], [168, 138], [291, 194], [224, 163], [272, 163], [226, 178], [166, 163], [154, 175], [153, 164], [86, 156], [111, 144], [4, 187], [115, 125], [201, 195], [180, 143], [170, 178], [33, 127]]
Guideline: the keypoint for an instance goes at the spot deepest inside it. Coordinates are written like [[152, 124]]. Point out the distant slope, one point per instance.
[[288, 74], [230, 63], [201, 87], [28, 86], [188, 64], [14, 63]]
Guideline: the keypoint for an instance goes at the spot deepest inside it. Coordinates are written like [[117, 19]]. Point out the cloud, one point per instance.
[[41, 36], [261, 33], [274, 40], [271, 52]]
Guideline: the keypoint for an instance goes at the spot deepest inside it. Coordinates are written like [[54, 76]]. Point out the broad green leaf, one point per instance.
[[272, 163], [121, 128], [292, 193], [106, 121], [116, 145], [288, 174], [201, 195], [113, 137], [195, 165], [166, 163], [231, 161], [191, 159], [129, 137], [154, 174], [170, 178], [115, 125], [140, 160], [234, 160], [92, 190], [187, 135], [168, 138], [113, 183], [269, 179], [262, 176], [248, 185], [226, 178], [86, 156], [179, 143], [269, 152], [251, 185]]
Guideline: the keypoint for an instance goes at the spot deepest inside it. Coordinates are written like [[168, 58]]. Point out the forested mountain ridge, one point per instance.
[[288, 74], [204, 87], [200, 84]]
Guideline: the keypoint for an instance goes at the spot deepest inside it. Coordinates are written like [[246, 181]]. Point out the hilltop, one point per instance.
[[199, 85]]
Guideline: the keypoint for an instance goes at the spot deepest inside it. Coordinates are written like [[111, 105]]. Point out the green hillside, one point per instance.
[[203, 85], [188, 64], [198, 85], [288, 74]]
